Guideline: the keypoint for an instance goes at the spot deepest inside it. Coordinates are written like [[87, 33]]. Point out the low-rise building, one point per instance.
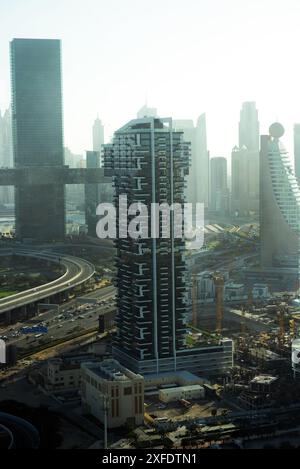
[[182, 392], [260, 392], [108, 387], [260, 291], [176, 378], [235, 291], [62, 374]]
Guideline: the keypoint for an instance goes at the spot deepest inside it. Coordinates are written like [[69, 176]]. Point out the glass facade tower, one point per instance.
[[37, 124]]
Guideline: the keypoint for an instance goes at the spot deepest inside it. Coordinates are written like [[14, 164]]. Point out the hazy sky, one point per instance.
[[186, 56]]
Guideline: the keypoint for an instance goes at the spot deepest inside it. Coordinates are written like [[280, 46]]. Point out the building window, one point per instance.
[[127, 391], [113, 408], [140, 405]]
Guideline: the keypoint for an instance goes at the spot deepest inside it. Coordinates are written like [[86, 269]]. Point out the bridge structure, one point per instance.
[[40, 197], [25, 304]]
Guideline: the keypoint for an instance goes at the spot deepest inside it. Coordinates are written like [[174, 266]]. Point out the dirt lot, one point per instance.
[[174, 410]]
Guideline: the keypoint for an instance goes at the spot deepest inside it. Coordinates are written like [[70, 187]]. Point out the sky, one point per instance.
[[183, 57]]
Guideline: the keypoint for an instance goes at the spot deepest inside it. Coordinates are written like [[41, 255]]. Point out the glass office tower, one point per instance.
[[38, 135]]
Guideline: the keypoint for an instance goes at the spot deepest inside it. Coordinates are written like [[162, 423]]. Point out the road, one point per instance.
[[76, 272], [71, 318]]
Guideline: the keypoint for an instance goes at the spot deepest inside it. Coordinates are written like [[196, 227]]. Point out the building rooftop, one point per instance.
[[184, 375], [193, 387], [111, 370], [264, 379]]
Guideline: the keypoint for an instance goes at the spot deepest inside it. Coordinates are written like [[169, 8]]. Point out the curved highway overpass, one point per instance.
[[16, 433], [76, 272]]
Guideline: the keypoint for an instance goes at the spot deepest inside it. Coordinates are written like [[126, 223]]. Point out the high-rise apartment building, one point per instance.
[[38, 134], [279, 204], [219, 194], [148, 161]]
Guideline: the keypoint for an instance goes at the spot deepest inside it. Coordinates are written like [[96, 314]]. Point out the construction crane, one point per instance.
[[194, 300], [219, 287]]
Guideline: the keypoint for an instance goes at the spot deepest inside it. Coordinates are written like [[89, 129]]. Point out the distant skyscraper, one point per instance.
[[202, 162], [249, 127], [98, 137], [219, 198], [187, 127], [197, 186], [245, 163], [279, 204], [244, 181], [146, 111], [92, 194], [297, 150], [6, 153], [38, 134], [147, 160]]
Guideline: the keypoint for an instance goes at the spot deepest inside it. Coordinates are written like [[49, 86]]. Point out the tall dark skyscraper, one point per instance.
[[38, 134], [148, 161]]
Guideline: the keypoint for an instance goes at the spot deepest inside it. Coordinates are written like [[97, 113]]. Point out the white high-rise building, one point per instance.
[[279, 204]]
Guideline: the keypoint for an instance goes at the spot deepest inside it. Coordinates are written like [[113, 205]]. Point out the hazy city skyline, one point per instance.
[[185, 61]]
